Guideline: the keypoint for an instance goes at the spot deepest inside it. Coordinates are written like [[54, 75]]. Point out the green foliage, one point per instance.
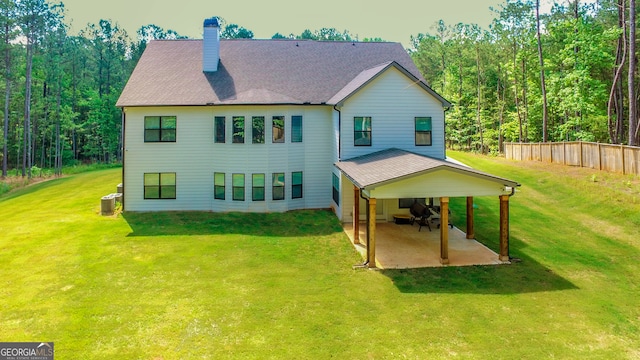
[[326, 34], [234, 31], [494, 74]]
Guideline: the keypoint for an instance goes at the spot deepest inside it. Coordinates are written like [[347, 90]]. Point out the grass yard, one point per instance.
[[190, 285]]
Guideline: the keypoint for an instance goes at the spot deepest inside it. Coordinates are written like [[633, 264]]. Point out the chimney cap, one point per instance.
[[211, 22]]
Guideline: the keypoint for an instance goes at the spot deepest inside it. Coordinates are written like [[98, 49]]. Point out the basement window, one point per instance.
[[160, 185]]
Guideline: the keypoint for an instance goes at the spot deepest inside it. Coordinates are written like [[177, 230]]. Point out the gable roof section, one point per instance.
[[382, 167], [169, 73], [369, 75]]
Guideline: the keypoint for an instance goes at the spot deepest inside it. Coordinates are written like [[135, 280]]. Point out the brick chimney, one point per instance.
[[211, 45]]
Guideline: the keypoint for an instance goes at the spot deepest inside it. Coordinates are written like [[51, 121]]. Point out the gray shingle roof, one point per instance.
[[260, 72], [394, 164]]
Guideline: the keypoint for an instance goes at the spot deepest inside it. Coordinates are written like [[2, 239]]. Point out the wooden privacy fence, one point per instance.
[[608, 157]]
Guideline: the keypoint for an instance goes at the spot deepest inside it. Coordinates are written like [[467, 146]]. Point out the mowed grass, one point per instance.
[[192, 285]]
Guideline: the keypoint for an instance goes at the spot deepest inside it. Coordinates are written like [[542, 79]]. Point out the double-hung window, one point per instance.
[[362, 131], [160, 185], [423, 131], [219, 128], [336, 189], [238, 129], [296, 185], [296, 128], [277, 129], [218, 186], [238, 187], [278, 186], [258, 187], [257, 126], [159, 129]]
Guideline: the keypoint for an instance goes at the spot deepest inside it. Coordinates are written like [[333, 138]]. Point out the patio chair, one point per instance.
[[420, 214]]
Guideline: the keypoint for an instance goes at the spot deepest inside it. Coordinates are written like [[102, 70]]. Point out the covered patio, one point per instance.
[[404, 247], [394, 174]]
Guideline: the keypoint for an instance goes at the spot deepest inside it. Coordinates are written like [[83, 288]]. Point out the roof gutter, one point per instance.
[[123, 151], [339, 132]]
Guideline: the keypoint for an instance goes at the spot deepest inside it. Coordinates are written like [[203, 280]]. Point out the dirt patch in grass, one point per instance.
[[13, 183]]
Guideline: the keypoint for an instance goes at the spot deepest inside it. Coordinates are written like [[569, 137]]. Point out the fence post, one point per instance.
[[564, 153], [540, 151], [622, 157], [581, 164], [599, 158]]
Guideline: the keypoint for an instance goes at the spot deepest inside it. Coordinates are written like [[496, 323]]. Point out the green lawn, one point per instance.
[[209, 286]]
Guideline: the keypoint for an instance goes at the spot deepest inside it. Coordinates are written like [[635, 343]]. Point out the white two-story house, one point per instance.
[[276, 125]]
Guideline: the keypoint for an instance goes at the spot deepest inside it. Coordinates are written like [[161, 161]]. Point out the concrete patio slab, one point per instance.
[[404, 247]]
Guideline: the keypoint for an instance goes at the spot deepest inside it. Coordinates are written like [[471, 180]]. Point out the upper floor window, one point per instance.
[[159, 129], [423, 131], [219, 128], [238, 187], [257, 125], [258, 187], [160, 185], [218, 186], [362, 131], [296, 185], [278, 129], [238, 129], [296, 128]]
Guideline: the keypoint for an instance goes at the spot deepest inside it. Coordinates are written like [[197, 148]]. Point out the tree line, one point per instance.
[[566, 75], [60, 89]]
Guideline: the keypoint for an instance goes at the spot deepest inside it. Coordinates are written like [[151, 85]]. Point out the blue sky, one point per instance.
[[395, 21]]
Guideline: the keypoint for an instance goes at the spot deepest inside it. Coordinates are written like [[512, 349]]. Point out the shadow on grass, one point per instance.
[[293, 223], [523, 276]]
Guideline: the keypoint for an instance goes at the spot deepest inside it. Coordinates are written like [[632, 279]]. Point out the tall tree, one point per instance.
[[633, 102], [32, 14], [615, 102], [545, 112], [7, 23]]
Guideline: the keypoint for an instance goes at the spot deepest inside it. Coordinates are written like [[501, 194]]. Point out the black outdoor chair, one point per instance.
[[420, 214]]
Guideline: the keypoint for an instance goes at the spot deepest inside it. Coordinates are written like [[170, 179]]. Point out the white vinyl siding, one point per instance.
[[393, 101], [195, 158]]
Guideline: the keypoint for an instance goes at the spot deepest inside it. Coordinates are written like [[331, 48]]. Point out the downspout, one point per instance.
[[124, 118], [444, 124], [366, 263], [339, 133]]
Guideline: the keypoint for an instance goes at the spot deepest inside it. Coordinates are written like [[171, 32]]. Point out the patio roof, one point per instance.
[[375, 170], [395, 173]]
